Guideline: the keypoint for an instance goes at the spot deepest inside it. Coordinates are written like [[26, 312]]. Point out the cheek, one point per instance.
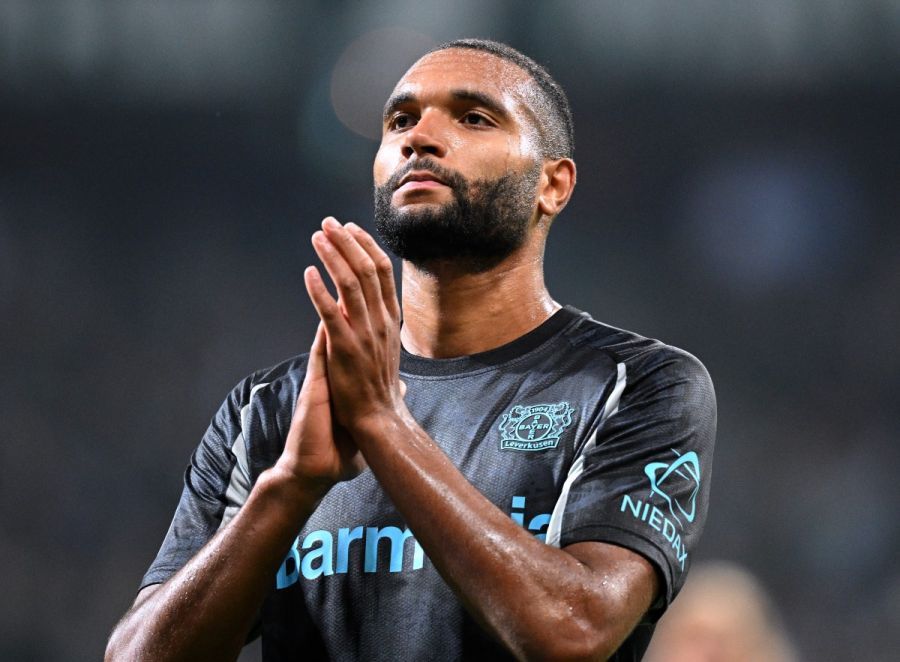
[[383, 166], [527, 145], [488, 160], [515, 156]]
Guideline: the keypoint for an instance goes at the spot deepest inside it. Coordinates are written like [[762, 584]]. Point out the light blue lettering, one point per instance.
[[656, 518], [418, 553], [322, 553], [668, 531], [289, 572], [635, 505], [537, 523], [518, 518], [397, 538], [653, 516], [345, 537]]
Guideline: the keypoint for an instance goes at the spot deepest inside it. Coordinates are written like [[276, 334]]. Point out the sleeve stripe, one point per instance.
[[554, 528], [239, 482]]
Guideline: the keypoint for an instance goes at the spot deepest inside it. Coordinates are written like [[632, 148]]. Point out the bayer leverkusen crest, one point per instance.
[[534, 427]]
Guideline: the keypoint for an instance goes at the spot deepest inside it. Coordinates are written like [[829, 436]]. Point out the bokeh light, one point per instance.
[[366, 72]]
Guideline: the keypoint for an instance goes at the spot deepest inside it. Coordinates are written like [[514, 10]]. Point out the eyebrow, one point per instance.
[[480, 98]]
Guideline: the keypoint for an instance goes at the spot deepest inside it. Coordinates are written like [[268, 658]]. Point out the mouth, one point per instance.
[[420, 179]]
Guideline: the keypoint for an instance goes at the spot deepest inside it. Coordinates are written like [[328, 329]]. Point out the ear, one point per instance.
[[557, 184]]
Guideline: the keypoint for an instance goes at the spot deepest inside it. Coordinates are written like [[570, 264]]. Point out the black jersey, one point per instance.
[[580, 431]]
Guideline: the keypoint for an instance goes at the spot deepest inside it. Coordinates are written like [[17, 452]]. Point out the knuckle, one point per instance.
[[385, 267], [349, 284], [367, 268]]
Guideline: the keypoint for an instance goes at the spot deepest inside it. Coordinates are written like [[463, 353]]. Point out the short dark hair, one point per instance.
[[552, 110]]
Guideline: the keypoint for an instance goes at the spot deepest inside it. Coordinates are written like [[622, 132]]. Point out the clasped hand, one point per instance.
[[362, 327], [352, 376]]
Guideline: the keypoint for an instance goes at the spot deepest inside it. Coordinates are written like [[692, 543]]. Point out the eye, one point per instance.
[[473, 118], [401, 121]]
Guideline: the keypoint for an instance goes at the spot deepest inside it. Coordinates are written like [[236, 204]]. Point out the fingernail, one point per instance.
[[330, 222], [352, 226]]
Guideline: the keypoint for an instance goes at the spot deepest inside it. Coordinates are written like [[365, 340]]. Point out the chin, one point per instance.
[[423, 208]]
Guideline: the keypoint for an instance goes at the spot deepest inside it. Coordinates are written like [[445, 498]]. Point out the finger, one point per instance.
[[327, 308], [310, 396], [315, 372], [357, 258], [315, 368], [345, 281], [383, 268], [402, 389]]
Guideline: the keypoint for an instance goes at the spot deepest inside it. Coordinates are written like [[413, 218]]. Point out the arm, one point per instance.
[[577, 603], [207, 608], [580, 602]]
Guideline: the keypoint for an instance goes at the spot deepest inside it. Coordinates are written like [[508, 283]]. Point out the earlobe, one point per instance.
[[557, 184]]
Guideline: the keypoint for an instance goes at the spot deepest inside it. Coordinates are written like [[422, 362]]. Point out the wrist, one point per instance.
[[387, 422], [295, 495]]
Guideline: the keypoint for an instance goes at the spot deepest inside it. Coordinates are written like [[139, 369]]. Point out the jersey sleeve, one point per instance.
[[212, 482], [641, 480]]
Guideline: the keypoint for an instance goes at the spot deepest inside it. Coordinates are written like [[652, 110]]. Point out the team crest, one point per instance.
[[534, 427]]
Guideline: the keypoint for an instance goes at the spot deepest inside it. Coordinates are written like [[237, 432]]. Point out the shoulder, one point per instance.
[[290, 370], [640, 360], [282, 381]]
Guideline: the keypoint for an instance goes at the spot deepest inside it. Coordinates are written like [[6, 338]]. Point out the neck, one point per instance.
[[448, 313]]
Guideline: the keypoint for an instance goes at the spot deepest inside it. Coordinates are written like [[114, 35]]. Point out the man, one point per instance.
[[532, 487]]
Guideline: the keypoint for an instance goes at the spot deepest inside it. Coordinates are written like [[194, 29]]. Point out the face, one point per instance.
[[457, 172]]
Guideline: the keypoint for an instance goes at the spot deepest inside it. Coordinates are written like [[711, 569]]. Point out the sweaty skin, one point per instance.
[[590, 594]]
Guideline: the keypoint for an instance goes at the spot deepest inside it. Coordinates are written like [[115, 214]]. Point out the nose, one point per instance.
[[425, 138]]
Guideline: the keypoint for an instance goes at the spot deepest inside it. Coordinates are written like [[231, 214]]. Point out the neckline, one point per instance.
[[413, 364]]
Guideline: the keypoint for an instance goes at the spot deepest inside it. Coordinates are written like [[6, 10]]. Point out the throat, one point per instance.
[[448, 315]]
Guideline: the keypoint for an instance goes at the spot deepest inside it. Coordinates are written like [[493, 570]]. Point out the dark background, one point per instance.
[[163, 164]]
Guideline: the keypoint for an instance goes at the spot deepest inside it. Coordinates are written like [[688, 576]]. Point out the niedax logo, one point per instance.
[[678, 483], [534, 427]]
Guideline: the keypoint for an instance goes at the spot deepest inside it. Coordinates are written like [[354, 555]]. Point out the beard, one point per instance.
[[486, 221]]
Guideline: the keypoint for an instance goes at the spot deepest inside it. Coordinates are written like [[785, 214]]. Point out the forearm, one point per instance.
[[206, 609], [538, 600]]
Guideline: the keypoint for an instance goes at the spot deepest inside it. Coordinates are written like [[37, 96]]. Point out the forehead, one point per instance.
[[468, 69]]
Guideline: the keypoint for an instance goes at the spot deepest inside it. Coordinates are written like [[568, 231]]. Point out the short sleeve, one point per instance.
[[642, 478], [210, 481]]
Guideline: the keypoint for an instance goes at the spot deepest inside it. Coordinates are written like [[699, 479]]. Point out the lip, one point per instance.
[[420, 179], [420, 184]]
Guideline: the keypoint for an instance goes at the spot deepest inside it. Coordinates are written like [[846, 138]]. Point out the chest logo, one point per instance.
[[534, 427]]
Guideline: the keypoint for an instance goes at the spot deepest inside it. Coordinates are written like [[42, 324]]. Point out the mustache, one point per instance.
[[452, 178]]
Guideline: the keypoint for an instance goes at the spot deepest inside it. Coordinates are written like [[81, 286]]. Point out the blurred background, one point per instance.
[[163, 165]]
